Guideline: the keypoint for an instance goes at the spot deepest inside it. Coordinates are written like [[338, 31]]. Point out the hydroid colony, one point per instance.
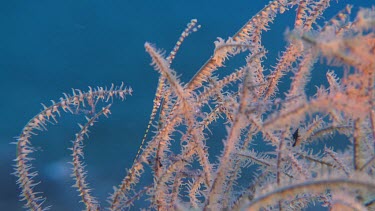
[[286, 175]]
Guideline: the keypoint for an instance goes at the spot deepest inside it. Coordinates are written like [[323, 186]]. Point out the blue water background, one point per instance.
[[49, 47]]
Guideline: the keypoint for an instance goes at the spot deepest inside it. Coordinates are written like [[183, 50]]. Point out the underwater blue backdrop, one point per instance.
[[49, 47]]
